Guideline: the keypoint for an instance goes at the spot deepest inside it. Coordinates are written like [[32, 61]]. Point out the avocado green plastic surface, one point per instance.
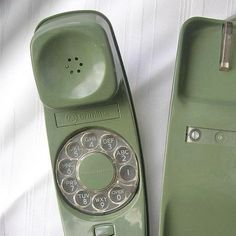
[[199, 190], [82, 84]]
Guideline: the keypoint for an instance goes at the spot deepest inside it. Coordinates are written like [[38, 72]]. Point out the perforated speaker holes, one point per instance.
[[73, 65]]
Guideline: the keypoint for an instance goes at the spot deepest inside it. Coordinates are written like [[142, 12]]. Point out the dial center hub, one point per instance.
[[95, 171]]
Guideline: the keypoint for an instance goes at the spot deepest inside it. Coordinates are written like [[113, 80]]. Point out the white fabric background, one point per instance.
[[147, 33]]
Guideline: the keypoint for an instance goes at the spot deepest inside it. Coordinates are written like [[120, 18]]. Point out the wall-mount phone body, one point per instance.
[[199, 193], [91, 126]]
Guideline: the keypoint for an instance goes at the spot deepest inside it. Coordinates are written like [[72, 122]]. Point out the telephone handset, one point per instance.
[[91, 126]]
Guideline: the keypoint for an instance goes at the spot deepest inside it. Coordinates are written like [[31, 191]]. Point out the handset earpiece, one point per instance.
[[73, 64]]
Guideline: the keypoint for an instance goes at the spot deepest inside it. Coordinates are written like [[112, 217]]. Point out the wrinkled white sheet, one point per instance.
[[147, 33]]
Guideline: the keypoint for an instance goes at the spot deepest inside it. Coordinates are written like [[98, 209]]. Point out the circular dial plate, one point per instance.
[[118, 173]]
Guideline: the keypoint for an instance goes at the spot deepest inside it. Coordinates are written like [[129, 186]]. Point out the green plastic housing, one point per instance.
[[199, 194], [84, 40]]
